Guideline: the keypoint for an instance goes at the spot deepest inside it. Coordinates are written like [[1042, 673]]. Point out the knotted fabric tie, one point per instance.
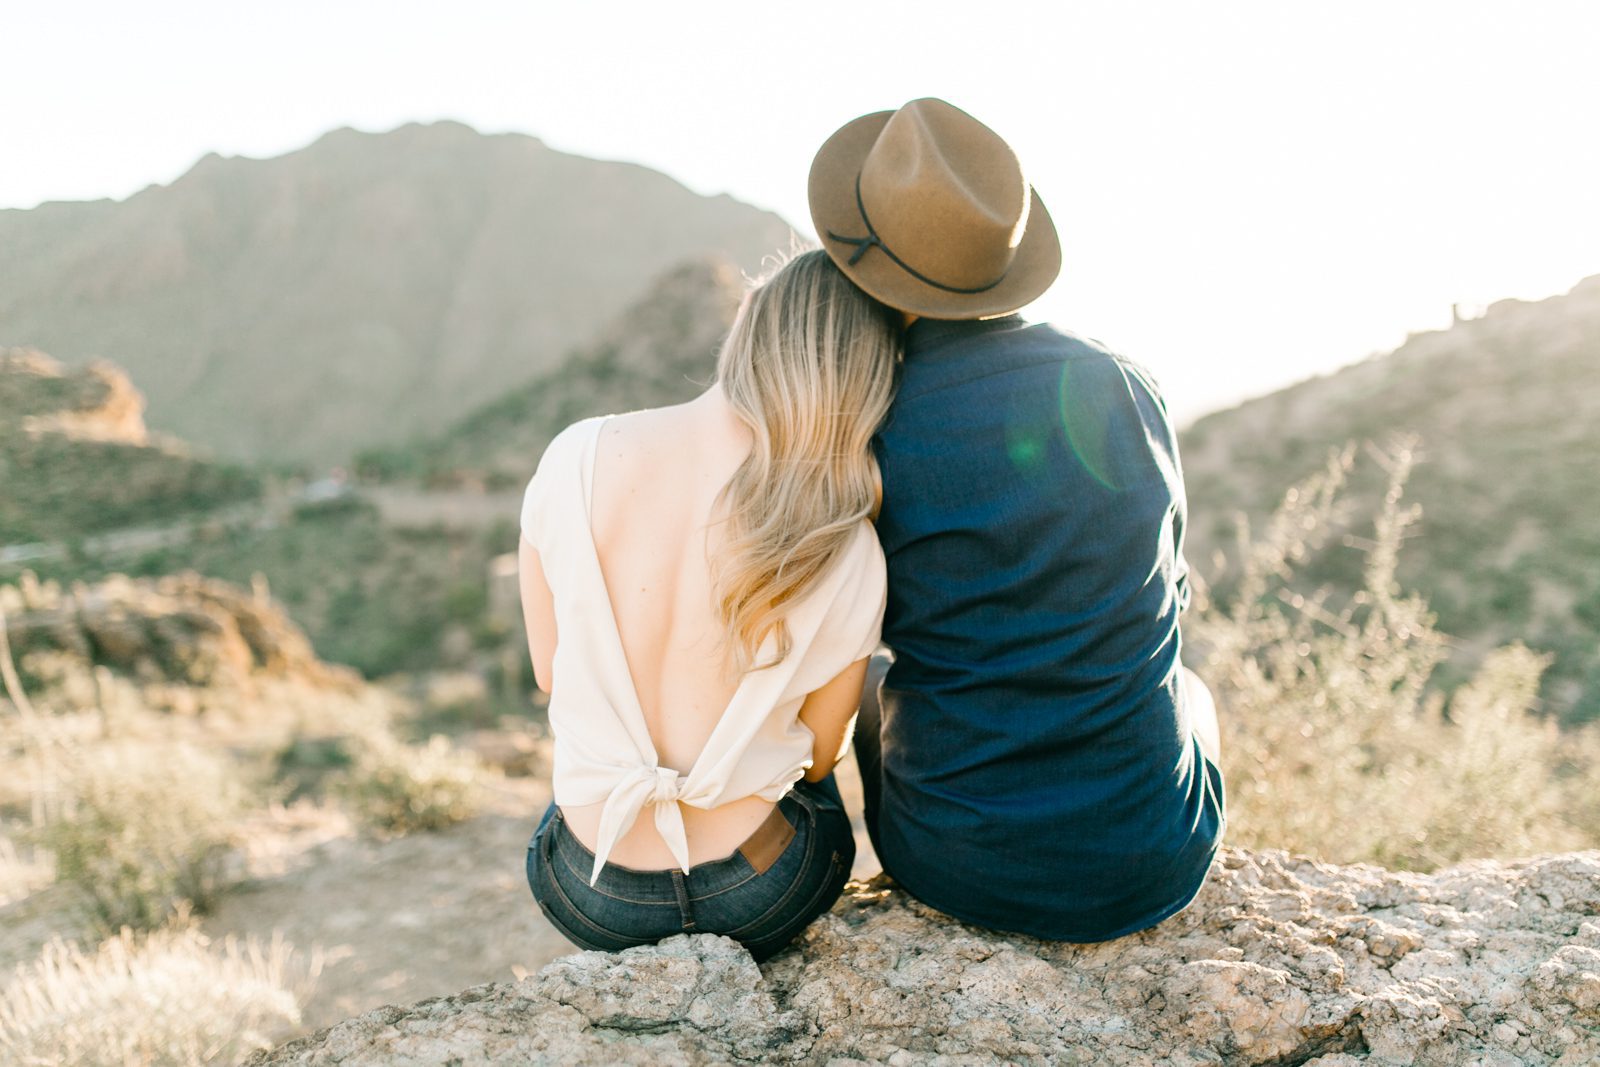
[[659, 786], [872, 239]]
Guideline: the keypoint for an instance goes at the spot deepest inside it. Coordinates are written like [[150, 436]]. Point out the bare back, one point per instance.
[[657, 474]]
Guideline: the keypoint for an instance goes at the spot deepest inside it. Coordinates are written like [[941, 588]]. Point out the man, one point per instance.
[[1035, 759]]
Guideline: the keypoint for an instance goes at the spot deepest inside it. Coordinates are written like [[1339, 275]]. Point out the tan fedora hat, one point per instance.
[[926, 208]]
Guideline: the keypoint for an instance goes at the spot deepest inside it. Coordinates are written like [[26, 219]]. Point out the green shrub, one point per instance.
[[466, 601], [333, 509], [396, 788], [1333, 743], [141, 827], [171, 999], [306, 763]]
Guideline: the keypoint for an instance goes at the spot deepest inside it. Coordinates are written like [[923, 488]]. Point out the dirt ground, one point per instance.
[[417, 916], [411, 917]]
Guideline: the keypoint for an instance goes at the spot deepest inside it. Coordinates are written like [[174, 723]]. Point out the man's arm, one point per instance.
[[1180, 501], [1180, 565]]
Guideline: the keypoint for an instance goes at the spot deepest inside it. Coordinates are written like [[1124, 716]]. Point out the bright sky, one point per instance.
[[1247, 192]]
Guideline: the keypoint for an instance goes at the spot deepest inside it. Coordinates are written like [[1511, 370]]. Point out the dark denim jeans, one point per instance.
[[867, 745], [764, 911]]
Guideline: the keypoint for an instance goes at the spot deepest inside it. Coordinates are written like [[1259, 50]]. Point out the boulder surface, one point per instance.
[[1280, 960]]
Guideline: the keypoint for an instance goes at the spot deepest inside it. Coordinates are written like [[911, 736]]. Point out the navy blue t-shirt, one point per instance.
[[1039, 772]]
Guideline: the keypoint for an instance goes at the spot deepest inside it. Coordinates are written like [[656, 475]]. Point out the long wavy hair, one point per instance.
[[810, 366]]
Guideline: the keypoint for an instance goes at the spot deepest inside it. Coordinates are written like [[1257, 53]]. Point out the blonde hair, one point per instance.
[[809, 366]]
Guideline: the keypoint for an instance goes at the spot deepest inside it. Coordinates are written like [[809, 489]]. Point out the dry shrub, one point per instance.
[[1332, 742], [141, 827], [173, 998], [396, 788], [22, 872]]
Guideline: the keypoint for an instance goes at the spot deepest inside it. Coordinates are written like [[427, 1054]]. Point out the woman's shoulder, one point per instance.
[[574, 433], [859, 576], [637, 425], [552, 478], [866, 550], [567, 445], [846, 621], [870, 597]]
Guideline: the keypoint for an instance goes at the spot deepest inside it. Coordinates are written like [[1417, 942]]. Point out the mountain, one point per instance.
[[660, 350], [76, 456], [357, 291], [1506, 410]]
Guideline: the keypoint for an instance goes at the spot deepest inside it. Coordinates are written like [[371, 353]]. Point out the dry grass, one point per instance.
[[172, 998], [139, 828], [22, 872], [1333, 743], [120, 826], [396, 788]]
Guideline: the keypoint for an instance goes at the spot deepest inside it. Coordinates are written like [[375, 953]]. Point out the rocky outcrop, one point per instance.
[[96, 401], [183, 642], [1280, 960], [76, 456]]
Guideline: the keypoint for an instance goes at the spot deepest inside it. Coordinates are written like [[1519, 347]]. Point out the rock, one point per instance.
[[77, 460], [94, 402], [184, 642], [1280, 960]]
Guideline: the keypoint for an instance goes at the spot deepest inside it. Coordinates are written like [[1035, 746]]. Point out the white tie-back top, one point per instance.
[[603, 750]]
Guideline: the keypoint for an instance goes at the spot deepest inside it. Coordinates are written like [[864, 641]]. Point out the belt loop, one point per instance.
[[679, 887], [547, 844], [801, 798]]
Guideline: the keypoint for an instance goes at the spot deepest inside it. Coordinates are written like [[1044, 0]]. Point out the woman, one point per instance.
[[703, 588]]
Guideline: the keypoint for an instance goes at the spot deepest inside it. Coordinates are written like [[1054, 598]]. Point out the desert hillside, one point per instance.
[[88, 492], [76, 457], [183, 768], [359, 290], [659, 350], [1506, 412], [382, 577], [322, 845]]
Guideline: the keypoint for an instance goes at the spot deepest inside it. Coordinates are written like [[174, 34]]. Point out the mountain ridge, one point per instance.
[[661, 349], [1506, 409], [359, 289]]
